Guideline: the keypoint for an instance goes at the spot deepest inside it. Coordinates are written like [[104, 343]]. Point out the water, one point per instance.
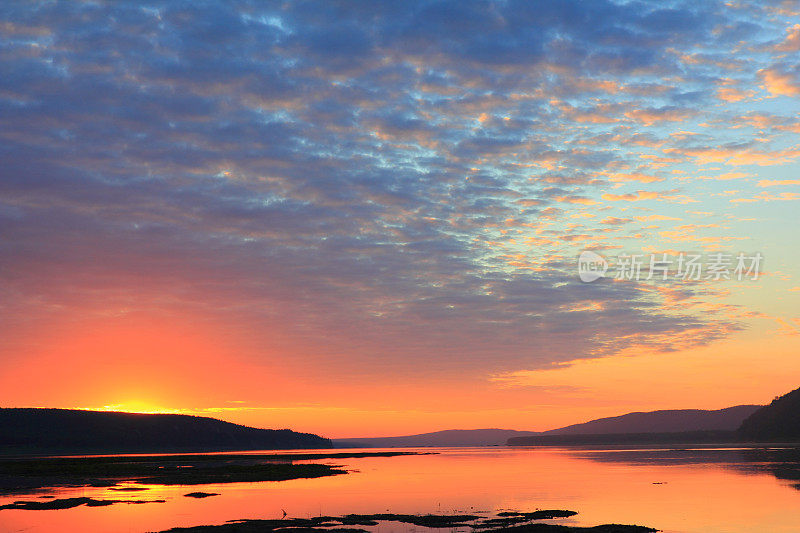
[[690, 490]]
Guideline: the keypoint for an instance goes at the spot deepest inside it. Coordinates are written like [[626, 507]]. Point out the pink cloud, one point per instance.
[[631, 197], [792, 41], [779, 83], [773, 183]]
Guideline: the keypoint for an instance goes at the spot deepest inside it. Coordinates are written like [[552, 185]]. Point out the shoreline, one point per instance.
[[28, 475], [538, 521]]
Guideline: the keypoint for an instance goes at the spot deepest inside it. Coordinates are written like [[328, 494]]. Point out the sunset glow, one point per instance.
[[366, 220]]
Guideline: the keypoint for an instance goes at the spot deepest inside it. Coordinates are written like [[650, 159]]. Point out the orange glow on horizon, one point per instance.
[[143, 366]]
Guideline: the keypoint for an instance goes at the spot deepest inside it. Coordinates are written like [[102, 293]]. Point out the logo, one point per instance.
[[591, 266]]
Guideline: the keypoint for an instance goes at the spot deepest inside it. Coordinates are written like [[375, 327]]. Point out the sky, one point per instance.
[[364, 219]]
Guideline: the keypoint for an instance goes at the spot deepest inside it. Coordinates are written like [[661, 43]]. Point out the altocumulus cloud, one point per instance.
[[354, 176]]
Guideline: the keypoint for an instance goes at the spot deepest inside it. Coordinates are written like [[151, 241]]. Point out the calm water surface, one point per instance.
[[688, 490]]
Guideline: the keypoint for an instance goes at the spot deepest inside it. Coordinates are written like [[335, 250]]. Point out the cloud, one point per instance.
[[649, 218], [774, 183], [737, 155], [731, 176], [614, 221], [792, 41], [631, 196], [780, 81], [767, 197], [654, 115], [575, 200], [731, 94], [637, 176], [344, 192]]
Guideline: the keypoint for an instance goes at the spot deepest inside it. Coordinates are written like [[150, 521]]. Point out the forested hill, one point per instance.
[[75, 431], [778, 421]]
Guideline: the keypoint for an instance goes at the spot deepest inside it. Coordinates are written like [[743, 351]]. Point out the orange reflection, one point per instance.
[[688, 498]]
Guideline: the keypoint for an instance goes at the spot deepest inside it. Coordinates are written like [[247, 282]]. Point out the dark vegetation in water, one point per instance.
[[512, 518], [69, 503], [554, 528], [201, 494], [27, 474], [71, 431], [236, 473], [426, 520], [505, 522]]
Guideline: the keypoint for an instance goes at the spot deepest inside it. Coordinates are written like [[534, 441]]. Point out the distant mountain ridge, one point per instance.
[[664, 421], [32, 430], [448, 437]]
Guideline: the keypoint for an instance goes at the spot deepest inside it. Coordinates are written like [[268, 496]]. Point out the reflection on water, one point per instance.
[[781, 462], [689, 490]]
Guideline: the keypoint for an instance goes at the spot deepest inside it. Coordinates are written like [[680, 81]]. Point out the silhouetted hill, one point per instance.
[[74, 431], [669, 421], [778, 421], [450, 437], [673, 421]]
